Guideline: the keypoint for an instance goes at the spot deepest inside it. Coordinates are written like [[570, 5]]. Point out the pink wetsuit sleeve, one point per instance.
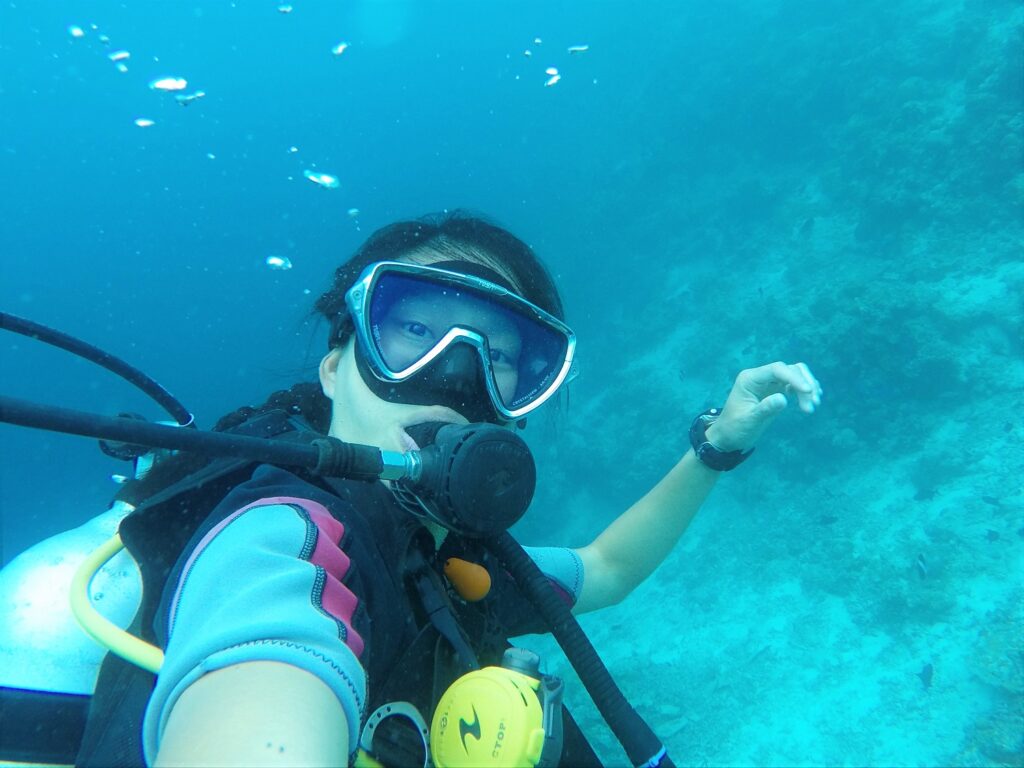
[[266, 584]]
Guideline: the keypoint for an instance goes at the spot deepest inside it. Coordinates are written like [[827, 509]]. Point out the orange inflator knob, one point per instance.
[[470, 580]]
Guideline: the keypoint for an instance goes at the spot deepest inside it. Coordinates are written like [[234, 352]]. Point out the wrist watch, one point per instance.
[[711, 457]]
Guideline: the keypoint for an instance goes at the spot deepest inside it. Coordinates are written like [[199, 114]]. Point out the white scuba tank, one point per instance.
[[42, 648]]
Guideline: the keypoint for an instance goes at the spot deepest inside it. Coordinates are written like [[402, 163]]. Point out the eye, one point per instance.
[[414, 328], [500, 358]]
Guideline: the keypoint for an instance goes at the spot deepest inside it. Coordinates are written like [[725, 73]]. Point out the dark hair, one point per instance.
[[456, 236]]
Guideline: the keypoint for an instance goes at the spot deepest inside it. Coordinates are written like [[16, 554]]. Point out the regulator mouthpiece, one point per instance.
[[476, 479]]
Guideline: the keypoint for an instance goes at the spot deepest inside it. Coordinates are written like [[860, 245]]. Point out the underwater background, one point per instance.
[[714, 185]]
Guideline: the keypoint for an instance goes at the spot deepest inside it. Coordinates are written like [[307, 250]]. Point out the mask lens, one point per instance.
[[415, 318], [405, 320], [543, 355]]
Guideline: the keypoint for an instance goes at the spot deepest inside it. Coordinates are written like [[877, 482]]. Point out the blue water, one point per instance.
[[714, 185]]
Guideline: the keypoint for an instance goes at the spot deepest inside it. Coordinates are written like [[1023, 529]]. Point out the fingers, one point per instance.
[[809, 377], [427, 413], [799, 379], [772, 405], [795, 379]]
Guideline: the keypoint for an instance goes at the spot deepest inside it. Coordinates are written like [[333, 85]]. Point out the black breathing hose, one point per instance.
[[169, 402], [641, 744], [328, 456]]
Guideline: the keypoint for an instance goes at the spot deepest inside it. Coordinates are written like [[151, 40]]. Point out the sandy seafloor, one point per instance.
[[738, 183]]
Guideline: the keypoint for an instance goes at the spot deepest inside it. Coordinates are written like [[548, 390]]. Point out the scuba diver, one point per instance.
[[299, 618]]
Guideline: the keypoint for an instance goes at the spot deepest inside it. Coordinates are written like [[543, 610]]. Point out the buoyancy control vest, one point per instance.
[[409, 659]]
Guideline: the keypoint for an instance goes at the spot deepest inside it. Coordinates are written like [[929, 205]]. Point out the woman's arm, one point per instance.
[[260, 713], [636, 542]]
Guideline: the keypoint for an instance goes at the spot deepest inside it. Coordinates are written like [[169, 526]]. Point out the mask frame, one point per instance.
[[420, 381]]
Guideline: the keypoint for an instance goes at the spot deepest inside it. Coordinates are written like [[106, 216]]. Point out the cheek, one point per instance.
[[398, 352], [506, 381], [358, 415]]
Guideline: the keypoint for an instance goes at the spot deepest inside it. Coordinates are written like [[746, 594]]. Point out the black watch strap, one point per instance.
[[711, 457]]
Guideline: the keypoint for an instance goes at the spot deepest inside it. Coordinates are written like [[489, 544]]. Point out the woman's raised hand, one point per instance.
[[757, 397]]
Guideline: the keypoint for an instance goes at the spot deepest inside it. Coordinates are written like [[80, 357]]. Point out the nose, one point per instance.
[[460, 369], [457, 379]]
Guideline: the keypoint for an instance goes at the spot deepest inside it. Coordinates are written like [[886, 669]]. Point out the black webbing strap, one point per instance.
[[40, 726]]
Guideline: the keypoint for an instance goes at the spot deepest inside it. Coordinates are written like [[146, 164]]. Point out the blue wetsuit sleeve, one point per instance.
[[268, 583], [562, 566]]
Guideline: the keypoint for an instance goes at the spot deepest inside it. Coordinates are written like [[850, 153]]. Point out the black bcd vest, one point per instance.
[[409, 659]]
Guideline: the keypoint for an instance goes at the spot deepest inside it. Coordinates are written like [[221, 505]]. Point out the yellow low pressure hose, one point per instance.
[[98, 627]]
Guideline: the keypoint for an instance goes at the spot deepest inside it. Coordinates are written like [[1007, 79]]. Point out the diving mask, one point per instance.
[[435, 336]]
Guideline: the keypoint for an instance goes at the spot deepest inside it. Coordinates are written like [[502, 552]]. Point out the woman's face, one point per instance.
[[408, 329]]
